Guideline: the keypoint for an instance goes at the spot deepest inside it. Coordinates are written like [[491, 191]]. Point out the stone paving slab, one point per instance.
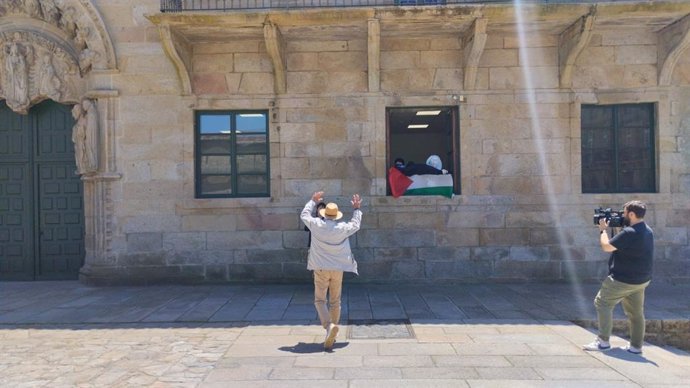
[[64, 334]]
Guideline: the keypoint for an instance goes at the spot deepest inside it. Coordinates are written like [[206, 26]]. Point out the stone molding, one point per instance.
[[374, 54], [275, 45], [180, 53]]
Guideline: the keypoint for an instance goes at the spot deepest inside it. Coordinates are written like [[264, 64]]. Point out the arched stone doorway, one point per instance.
[[51, 53], [41, 196]]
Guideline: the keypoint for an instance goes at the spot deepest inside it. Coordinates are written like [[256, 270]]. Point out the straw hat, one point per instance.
[[331, 212]]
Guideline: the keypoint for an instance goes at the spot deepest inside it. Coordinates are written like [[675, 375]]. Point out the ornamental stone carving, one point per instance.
[[47, 48], [85, 136]]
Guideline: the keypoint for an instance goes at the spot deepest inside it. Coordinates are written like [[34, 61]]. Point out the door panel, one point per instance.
[[16, 223], [41, 206], [61, 221]]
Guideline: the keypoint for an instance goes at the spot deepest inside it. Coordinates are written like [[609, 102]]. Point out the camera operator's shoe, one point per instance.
[[632, 349], [331, 333], [598, 344]]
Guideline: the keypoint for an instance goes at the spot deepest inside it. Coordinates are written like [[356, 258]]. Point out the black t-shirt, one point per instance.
[[631, 262]]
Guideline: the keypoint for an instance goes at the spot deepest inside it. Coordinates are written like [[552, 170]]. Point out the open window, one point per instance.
[[415, 135]]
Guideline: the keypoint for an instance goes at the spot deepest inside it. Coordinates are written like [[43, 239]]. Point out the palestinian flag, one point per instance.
[[431, 185], [398, 182]]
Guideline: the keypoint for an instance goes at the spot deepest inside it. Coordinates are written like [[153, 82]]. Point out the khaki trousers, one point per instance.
[[331, 282], [631, 296]]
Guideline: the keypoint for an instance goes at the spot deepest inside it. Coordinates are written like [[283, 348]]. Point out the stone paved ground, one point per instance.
[[64, 334]]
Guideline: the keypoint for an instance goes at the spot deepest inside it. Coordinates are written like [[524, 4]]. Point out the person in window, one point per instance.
[[399, 164], [630, 271], [329, 256], [435, 162]]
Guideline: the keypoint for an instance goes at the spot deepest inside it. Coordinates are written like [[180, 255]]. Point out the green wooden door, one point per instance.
[[41, 206]]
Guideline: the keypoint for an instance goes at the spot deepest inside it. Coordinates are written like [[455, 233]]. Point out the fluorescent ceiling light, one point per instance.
[[251, 115], [428, 113], [421, 126]]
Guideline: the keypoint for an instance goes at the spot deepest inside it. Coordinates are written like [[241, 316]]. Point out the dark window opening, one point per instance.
[[618, 148], [416, 133], [231, 158]]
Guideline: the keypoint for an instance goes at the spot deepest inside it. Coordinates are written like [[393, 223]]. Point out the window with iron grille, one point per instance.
[[618, 153], [231, 154]]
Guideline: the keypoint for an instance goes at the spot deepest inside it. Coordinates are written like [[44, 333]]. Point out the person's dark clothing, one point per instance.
[[632, 261], [420, 169]]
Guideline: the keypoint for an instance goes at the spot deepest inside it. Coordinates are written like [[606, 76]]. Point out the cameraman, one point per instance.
[[630, 270]]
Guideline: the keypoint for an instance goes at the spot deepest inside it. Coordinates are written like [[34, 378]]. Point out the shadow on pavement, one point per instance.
[[625, 355], [306, 348]]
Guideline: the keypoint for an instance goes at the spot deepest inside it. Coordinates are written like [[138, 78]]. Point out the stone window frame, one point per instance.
[[232, 154], [652, 110]]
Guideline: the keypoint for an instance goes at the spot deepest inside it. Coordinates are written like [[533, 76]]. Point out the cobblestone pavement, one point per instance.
[[64, 334]]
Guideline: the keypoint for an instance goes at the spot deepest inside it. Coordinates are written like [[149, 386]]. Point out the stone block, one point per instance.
[[407, 270], [258, 221], [477, 219], [212, 63], [404, 44], [216, 273], [584, 271], [503, 237], [395, 254], [404, 220], [458, 269], [448, 79], [528, 219], [529, 253], [255, 272], [306, 187], [346, 82], [183, 257], [567, 253], [295, 239], [499, 58], [639, 76], [256, 83], [343, 61], [539, 56], [151, 223], [252, 63], [296, 271], [144, 242], [190, 241], [302, 62], [531, 40], [513, 78], [445, 44], [490, 253], [222, 257], [234, 46], [441, 59], [316, 46], [141, 259], [671, 235], [533, 270], [597, 77], [444, 253], [210, 223], [209, 83], [408, 80], [244, 240], [393, 238], [357, 45], [306, 82], [274, 256], [457, 237], [596, 56], [399, 60], [618, 37]]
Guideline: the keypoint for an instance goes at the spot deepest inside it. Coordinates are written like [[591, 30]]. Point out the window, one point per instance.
[[415, 134], [618, 148], [231, 154]]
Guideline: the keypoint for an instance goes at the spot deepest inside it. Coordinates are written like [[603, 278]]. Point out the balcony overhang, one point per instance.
[[470, 23]]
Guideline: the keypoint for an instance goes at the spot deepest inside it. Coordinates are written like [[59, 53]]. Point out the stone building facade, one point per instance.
[[522, 85]]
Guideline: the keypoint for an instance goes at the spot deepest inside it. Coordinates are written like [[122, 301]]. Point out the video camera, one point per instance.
[[615, 218]]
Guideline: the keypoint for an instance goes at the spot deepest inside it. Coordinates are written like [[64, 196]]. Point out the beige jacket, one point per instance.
[[330, 244]]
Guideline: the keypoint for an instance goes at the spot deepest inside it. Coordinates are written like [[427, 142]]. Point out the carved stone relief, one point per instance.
[[48, 55], [85, 136]]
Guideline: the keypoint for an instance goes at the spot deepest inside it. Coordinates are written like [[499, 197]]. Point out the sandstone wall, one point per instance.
[[521, 214]]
